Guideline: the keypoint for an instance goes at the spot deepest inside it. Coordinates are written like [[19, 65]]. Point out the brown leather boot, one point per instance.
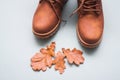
[[47, 17], [90, 22]]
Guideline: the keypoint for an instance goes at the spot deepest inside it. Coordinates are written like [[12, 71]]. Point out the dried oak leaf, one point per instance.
[[43, 59], [59, 62], [51, 49], [74, 56]]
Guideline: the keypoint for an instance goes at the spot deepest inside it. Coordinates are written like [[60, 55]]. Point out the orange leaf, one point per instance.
[[59, 62], [74, 56], [51, 49], [43, 59]]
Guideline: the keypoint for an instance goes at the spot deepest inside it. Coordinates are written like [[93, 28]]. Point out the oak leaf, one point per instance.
[[74, 56], [43, 59], [50, 49], [59, 62]]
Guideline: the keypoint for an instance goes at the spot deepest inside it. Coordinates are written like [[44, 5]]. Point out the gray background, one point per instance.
[[18, 44]]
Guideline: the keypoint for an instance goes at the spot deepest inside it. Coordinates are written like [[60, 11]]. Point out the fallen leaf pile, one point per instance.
[[46, 57]]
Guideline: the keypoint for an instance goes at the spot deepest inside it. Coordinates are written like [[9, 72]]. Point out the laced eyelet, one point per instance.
[[88, 6]]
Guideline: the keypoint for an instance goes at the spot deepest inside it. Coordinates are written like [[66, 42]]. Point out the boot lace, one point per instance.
[[88, 6]]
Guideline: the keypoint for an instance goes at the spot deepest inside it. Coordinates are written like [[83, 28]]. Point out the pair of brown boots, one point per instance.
[[90, 23]]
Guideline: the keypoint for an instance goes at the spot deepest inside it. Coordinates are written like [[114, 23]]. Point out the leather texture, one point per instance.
[[90, 22], [47, 17]]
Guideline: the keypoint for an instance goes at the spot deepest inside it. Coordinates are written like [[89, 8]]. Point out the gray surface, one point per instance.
[[18, 44]]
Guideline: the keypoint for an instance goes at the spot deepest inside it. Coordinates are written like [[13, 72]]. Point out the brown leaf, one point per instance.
[[74, 56], [50, 49], [43, 59], [59, 62]]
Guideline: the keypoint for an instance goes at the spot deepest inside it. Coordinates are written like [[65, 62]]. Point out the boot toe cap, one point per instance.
[[41, 27], [90, 29]]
